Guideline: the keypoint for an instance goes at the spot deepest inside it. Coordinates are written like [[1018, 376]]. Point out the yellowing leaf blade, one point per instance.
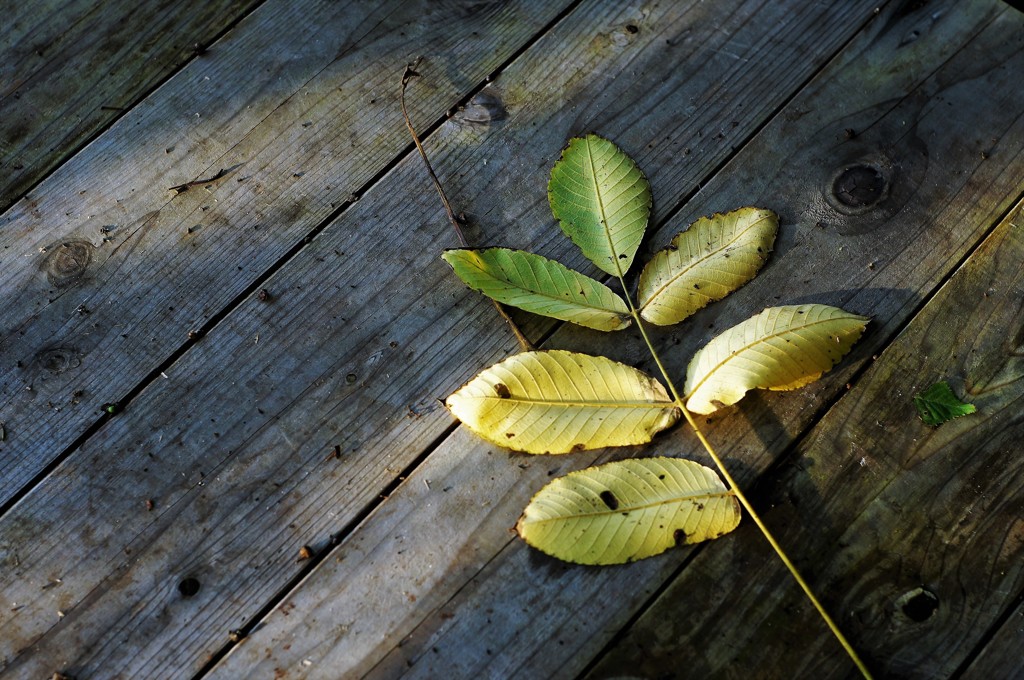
[[539, 285], [713, 257], [558, 401], [628, 510], [782, 348], [602, 201]]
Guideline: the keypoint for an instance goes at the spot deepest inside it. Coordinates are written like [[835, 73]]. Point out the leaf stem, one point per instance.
[[409, 74], [739, 493]]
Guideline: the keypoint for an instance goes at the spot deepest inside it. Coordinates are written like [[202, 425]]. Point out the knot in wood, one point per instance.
[[859, 187], [57, 360], [67, 262], [484, 108], [918, 604]]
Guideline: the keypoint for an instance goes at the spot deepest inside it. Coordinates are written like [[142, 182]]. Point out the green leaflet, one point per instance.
[[628, 510], [602, 201], [782, 348], [558, 401], [937, 405], [541, 286], [713, 257]]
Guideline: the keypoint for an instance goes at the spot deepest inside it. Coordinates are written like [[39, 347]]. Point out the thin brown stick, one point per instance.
[[410, 73], [182, 188]]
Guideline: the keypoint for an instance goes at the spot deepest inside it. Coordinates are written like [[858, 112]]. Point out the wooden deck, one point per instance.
[[221, 449]]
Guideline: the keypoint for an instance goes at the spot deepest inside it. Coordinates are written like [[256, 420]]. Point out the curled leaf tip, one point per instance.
[[782, 348]]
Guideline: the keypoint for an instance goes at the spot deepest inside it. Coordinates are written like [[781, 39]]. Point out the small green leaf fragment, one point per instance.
[[937, 405]]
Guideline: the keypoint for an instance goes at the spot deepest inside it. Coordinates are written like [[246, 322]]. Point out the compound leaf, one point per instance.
[[713, 257], [627, 510], [937, 405], [602, 201], [556, 402], [782, 348], [539, 285]]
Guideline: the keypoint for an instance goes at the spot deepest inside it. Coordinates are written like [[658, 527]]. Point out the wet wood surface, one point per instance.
[[222, 453]]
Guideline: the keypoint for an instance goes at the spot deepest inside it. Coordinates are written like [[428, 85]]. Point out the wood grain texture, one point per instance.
[[1000, 657], [67, 69], [236, 444], [415, 554], [914, 532], [486, 605], [157, 281], [107, 272]]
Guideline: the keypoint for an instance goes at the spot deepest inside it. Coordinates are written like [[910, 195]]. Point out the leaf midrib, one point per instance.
[[600, 206], [582, 404], [549, 296], [622, 509]]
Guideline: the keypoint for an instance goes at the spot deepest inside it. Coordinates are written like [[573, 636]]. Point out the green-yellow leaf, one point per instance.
[[602, 200], [712, 258], [782, 348], [625, 511], [558, 401], [937, 405], [540, 285]]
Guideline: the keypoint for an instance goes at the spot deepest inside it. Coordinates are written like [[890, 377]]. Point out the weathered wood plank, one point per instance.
[[915, 532], [67, 69], [1000, 658], [346, 146], [107, 272], [275, 376], [336, 628], [486, 605]]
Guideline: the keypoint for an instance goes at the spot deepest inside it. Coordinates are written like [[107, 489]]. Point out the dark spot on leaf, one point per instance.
[[622, 257], [661, 476], [697, 286], [580, 446], [610, 500], [510, 434], [502, 390], [700, 507], [679, 536]]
